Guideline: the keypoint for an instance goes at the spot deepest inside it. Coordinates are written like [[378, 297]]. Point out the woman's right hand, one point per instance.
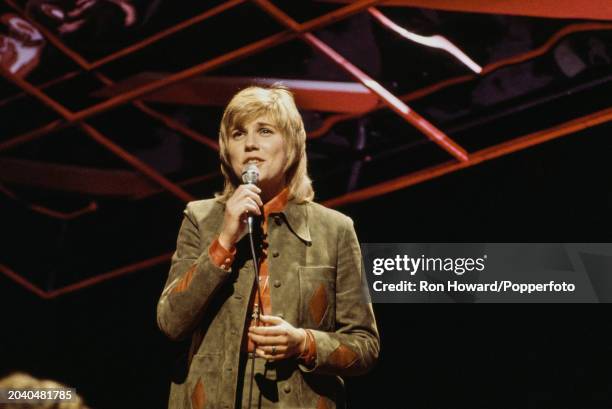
[[243, 202]]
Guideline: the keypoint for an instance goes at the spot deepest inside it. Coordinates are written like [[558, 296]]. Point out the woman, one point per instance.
[[308, 321]]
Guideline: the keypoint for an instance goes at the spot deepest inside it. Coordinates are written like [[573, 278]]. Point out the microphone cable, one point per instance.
[[258, 309]]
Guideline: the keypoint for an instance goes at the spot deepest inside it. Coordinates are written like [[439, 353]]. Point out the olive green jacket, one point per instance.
[[314, 263]]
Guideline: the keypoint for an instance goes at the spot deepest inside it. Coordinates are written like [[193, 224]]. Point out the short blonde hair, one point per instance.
[[277, 103]]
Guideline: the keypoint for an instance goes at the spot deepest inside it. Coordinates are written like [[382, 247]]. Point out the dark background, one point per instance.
[[103, 340]]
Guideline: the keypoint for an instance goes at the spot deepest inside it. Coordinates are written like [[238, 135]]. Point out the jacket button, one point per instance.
[[277, 283], [277, 220], [275, 254], [287, 388]]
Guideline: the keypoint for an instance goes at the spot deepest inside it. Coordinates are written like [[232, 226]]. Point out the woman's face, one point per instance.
[[259, 141]]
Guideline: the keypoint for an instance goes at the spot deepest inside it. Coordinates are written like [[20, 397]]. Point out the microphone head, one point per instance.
[[250, 174]]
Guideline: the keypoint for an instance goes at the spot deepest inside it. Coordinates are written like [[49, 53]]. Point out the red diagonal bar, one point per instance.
[[98, 137], [166, 120], [91, 207], [185, 182], [83, 63], [119, 272], [41, 87], [137, 163], [592, 9], [216, 62], [330, 121], [411, 96], [165, 33], [80, 285], [38, 94], [23, 282], [34, 134], [74, 56], [392, 101], [387, 97], [476, 158]]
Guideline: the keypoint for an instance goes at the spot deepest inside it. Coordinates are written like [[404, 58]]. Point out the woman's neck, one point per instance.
[[269, 192]]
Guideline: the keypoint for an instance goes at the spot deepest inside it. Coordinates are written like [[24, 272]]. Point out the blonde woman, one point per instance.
[[285, 341]]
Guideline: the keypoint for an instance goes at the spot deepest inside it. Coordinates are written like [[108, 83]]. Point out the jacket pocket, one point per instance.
[[203, 391], [317, 297]]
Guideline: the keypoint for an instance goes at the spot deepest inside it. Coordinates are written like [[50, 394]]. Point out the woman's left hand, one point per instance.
[[278, 340]]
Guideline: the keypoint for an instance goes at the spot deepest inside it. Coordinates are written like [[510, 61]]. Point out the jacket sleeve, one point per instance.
[[352, 349], [192, 282]]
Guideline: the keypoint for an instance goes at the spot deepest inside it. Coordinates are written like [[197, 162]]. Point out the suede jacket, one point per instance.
[[317, 283]]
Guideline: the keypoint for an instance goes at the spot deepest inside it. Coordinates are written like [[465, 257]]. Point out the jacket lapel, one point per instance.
[[296, 216]]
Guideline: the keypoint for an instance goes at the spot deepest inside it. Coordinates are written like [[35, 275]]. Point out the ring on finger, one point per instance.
[[273, 349]]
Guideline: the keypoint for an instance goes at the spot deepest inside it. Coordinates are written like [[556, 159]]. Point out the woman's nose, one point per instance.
[[251, 141]]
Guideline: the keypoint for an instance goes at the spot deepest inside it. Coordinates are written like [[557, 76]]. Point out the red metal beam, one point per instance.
[[165, 33], [23, 282], [32, 135], [387, 97], [332, 120], [98, 137], [177, 126], [86, 65], [70, 178], [119, 272], [36, 93], [185, 182], [476, 158], [137, 163], [592, 9], [91, 207], [329, 122], [322, 96], [41, 87], [166, 120], [216, 62]]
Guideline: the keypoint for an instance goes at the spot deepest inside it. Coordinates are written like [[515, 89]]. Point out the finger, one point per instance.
[[253, 205], [251, 187], [272, 319], [246, 192], [254, 196], [261, 353], [275, 349], [268, 331], [263, 340]]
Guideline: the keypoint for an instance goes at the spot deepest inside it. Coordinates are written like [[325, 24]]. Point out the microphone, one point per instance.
[[250, 175]]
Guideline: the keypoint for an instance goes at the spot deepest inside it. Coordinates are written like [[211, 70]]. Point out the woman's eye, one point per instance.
[[237, 135], [266, 131]]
